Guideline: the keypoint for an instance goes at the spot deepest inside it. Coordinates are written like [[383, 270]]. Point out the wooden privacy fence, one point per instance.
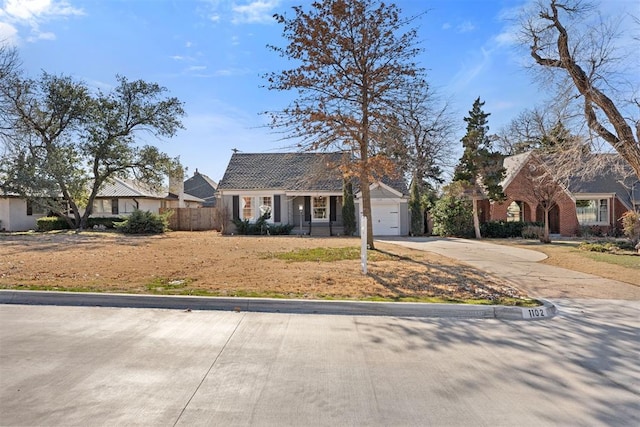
[[192, 219]]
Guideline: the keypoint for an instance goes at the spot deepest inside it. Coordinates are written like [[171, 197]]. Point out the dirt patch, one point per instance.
[[211, 264]]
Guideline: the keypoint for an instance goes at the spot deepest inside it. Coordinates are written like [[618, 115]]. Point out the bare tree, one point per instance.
[[422, 144], [354, 58], [560, 38], [9, 70], [544, 188]]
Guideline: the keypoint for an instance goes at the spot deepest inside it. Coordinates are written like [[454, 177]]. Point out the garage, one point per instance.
[[386, 219]]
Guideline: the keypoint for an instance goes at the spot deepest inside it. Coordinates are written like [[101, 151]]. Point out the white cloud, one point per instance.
[[215, 18], [197, 68], [468, 73], [8, 33], [42, 36], [258, 11], [32, 13], [446, 26], [465, 27]]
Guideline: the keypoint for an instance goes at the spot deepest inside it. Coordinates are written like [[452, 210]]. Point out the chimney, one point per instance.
[[176, 185]]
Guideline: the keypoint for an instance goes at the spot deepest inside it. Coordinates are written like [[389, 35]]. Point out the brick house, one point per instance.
[[597, 203]]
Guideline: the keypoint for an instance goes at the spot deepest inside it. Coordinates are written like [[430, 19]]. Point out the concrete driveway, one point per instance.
[[522, 267]]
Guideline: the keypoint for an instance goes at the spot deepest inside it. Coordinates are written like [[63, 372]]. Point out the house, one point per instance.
[[305, 190], [18, 214], [596, 202], [119, 197], [123, 196], [203, 187]]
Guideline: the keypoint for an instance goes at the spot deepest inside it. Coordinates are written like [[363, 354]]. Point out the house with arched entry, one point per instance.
[[595, 203]]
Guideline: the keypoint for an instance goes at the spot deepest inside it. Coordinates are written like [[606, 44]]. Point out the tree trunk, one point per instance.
[[366, 207], [476, 219], [545, 237]]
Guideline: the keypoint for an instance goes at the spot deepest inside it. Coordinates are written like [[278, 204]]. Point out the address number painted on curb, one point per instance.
[[535, 313]]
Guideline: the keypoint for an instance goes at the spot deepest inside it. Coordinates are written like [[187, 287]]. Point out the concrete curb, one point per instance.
[[269, 305]]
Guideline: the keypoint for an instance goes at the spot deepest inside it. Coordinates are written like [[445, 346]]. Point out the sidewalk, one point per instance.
[[522, 267]]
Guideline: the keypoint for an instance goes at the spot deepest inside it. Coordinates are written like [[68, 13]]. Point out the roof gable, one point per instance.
[[201, 186]]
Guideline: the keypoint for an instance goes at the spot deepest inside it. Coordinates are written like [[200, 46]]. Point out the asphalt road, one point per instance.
[[125, 366]]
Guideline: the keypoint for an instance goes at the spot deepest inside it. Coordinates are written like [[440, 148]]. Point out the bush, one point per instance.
[[532, 231], [593, 247], [261, 227], [453, 216], [144, 222], [631, 226], [106, 222], [50, 223], [506, 229]]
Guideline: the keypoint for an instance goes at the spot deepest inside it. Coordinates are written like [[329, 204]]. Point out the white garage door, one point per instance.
[[386, 219]]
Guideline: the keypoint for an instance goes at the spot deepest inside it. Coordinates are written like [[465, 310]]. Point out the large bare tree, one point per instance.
[[561, 36], [353, 60]]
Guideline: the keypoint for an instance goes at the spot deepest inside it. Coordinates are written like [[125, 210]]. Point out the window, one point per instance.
[[247, 208], [594, 211], [320, 208], [514, 212], [266, 206], [35, 208], [105, 206]]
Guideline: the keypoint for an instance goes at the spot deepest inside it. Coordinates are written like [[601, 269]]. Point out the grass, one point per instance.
[[160, 288], [623, 260], [621, 265], [326, 255]]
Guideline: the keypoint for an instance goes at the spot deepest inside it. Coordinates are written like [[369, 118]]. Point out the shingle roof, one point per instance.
[[290, 172], [283, 171], [203, 187]]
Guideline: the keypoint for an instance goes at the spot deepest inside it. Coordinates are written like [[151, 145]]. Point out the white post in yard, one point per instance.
[[363, 243]]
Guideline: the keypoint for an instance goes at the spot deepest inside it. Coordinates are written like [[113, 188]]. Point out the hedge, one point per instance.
[[505, 229]]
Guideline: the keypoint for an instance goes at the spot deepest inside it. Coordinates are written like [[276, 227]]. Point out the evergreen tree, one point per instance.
[[416, 209], [348, 209], [480, 169]]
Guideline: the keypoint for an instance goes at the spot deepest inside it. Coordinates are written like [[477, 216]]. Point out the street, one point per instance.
[[125, 366]]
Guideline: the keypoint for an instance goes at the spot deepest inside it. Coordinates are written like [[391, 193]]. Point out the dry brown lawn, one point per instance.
[[208, 263], [566, 254]]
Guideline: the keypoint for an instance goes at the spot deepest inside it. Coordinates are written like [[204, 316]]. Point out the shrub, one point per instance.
[[506, 229], [50, 223], [453, 216], [592, 247], [106, 222], [144, 222], [261, 227], [532, 232], [631, 226]]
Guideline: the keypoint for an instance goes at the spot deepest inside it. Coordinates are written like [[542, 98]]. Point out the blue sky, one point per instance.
[[212, 54]]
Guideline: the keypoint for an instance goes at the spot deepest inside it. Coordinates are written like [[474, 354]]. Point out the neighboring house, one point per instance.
[[120, 197], [203, 187], [123, 196], [305, 190], [18, 214], [597, 203]]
